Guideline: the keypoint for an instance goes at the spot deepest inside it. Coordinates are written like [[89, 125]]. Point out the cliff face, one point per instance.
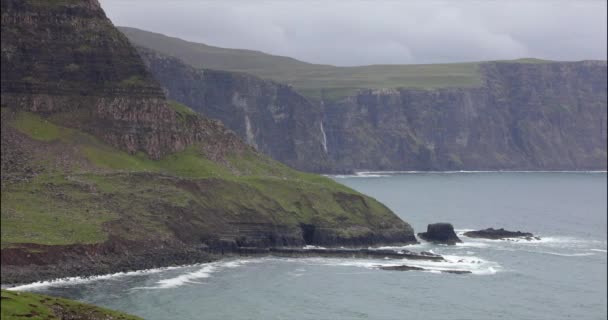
[[67, 58], [525, 116], [101, 174], [546, 116], [271, 117]]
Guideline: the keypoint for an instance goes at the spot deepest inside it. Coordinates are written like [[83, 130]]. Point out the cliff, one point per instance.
[[100, 173], [270, 116], [505, 115], [542, 116]]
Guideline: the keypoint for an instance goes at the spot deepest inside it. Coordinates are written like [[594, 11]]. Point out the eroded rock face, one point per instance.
[[497, 234], [269, 116], [73, 62], [440, 233], [546, 116], [524, 116]]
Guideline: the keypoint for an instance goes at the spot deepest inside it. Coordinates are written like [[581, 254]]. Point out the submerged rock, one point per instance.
[[440, 233], [401, 268], [411, 268], [456, 271], [497, 234]]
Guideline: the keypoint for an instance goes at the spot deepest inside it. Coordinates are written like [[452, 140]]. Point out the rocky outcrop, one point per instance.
[[440, 233], [497, 234], [269, 116], [75, 64]]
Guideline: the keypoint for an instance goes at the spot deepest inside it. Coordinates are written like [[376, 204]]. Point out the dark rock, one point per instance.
[[456, 271], [440, 233], [497, 234], [401, 268], [411, 268]]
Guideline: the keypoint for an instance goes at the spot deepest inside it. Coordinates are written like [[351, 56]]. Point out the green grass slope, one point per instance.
[[313, 80], [68, 187], [23, 305]]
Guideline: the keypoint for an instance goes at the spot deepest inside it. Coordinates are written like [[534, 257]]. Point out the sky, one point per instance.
[[349, 32]]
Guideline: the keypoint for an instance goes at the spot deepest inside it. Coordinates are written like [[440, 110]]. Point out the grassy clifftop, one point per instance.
[[314, 81], [22, 305]]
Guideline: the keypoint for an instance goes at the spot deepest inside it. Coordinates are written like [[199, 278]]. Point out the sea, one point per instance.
[[560, 276]]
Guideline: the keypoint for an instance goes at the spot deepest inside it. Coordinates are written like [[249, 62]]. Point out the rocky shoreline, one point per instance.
[[34, 263], [88, 263]]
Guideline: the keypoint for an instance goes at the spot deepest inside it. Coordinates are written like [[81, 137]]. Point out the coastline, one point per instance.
[[13, 277]]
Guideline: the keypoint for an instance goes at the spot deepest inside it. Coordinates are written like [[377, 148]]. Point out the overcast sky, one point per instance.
[[346, 32]]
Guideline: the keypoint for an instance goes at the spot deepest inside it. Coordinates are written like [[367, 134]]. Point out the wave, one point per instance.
[[377, 174], [203, 272], [69, 281], [598, 250], [554, 241], [359, 175], [475, 265], [80, 280], [561, 254], [309, 247]]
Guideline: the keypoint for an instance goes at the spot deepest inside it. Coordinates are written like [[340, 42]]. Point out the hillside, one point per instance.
[[100, 173], [318, 82], [20, 305]]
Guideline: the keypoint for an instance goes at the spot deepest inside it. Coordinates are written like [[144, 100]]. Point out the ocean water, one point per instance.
[[562, 276]]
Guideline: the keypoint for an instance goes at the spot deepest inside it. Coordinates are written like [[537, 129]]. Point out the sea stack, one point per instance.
[[440, 233]]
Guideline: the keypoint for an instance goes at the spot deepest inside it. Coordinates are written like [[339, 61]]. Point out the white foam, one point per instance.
[[79, 280], [559, 242], [598, 250], [566, 254], [473, 264], [472, 244], [308, 247], [69, 281], [204, 272], [374, 174], [190, 277]]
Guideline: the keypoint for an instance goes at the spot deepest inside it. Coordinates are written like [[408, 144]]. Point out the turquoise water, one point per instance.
[[562, 276]]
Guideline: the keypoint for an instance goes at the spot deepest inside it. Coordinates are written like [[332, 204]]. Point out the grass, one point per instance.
[[24, 305], [37, 128], [181, 109], [134, 197], [52, 210], [314, 81], [133, 81]]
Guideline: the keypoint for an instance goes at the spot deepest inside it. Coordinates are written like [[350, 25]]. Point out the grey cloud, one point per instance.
[[380, 32]]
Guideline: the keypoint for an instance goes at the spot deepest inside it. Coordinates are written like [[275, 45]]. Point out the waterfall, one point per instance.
[[249, 132], [324, 140]]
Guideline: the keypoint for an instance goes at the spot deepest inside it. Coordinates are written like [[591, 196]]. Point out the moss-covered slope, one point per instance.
[[23, 305]]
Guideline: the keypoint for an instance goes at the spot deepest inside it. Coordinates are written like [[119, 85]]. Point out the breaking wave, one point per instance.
[[80, 280], [202, 272], [475, 265]]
